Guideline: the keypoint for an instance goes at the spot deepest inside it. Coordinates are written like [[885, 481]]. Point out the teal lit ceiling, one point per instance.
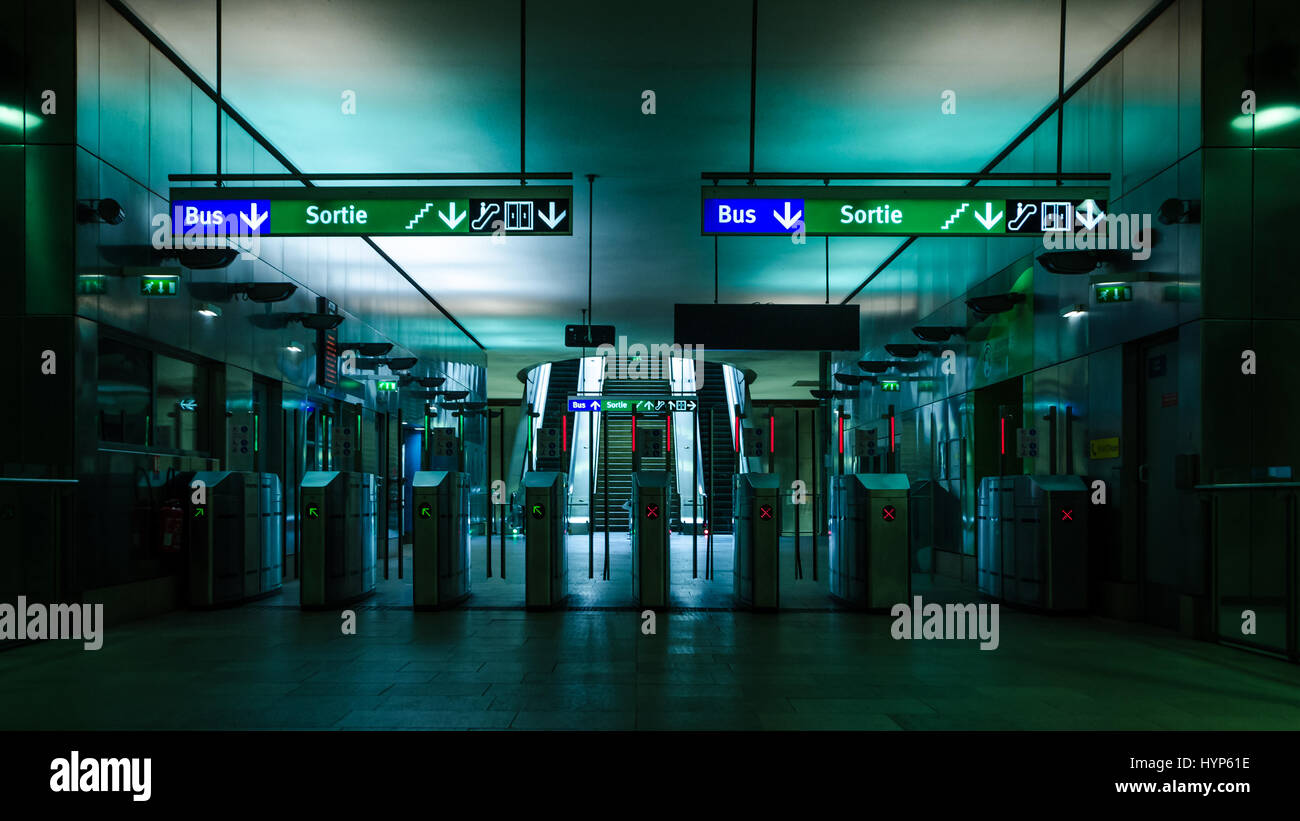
[[842, 86]]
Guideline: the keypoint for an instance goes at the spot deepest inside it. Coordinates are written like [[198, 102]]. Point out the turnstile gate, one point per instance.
[[234, 537], [756, 501], [869, 549], [439, 538], [339, 531], [650, 489], [545, 566]]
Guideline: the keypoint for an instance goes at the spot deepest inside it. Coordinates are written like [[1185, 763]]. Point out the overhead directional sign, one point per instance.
[[900, 211], [394, 211], [631, 404]]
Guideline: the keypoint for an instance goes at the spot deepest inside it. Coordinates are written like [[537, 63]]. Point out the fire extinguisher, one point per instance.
[[171, 523]]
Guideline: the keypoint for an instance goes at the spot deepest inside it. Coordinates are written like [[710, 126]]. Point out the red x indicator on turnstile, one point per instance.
[[887, 513], [652, 511], [1065, 515], [765, 511]]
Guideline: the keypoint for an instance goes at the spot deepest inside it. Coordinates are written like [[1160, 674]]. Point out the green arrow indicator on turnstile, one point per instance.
[[426, 511], [198, 512], [538, 511], [313, 512]]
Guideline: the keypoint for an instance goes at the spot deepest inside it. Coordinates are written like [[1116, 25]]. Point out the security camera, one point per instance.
[[317, 322], [263, 291], [1175, 211], [106, 210]]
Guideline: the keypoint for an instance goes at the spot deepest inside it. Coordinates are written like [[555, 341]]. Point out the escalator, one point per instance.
[[563, 384], [615, 454], [721, 464]]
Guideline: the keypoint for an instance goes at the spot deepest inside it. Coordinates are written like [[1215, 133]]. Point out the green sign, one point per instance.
[[889, 386], [161, 285], [385, 211], [92, 284], [1114, 293], [388, 385], [845, 211]]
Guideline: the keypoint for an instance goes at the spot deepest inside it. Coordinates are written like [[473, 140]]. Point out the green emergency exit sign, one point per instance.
[[888, 385], [388, 385], [1114, 293], [161, 285]]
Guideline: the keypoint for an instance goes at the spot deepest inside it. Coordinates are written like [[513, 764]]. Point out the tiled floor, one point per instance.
[[486, 666]]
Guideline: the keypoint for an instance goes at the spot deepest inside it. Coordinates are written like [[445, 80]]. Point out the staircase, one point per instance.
[[712, 394], [563, 384], [615, 454]]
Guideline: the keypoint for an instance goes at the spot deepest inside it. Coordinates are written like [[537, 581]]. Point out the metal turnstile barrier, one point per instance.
[[650, 489], [234, 538], [869, 546], [339, 534], [1033, 540], [439, 539], [545, 567], [756, 502]]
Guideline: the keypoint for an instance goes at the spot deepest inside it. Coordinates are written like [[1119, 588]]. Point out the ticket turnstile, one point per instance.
[[650, 499], [439, 538], [234, 537], [545, 569], [338, 516], [756, 502], [870, 546], [1032, 540]]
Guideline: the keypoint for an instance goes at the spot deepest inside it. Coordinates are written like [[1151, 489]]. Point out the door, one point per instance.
[[1161, 561]]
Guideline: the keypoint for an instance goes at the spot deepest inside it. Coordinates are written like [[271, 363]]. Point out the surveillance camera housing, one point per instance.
[[111, 211], [263, 292], [937, 333], [994, 303], [1175, 211]]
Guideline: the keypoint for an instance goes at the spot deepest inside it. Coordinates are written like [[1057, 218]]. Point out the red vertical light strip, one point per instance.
[[771, 434], [634, 433], [668, 426], [891, 434], [841, 434], [1003, 422], [735, 445], [566, 432]]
